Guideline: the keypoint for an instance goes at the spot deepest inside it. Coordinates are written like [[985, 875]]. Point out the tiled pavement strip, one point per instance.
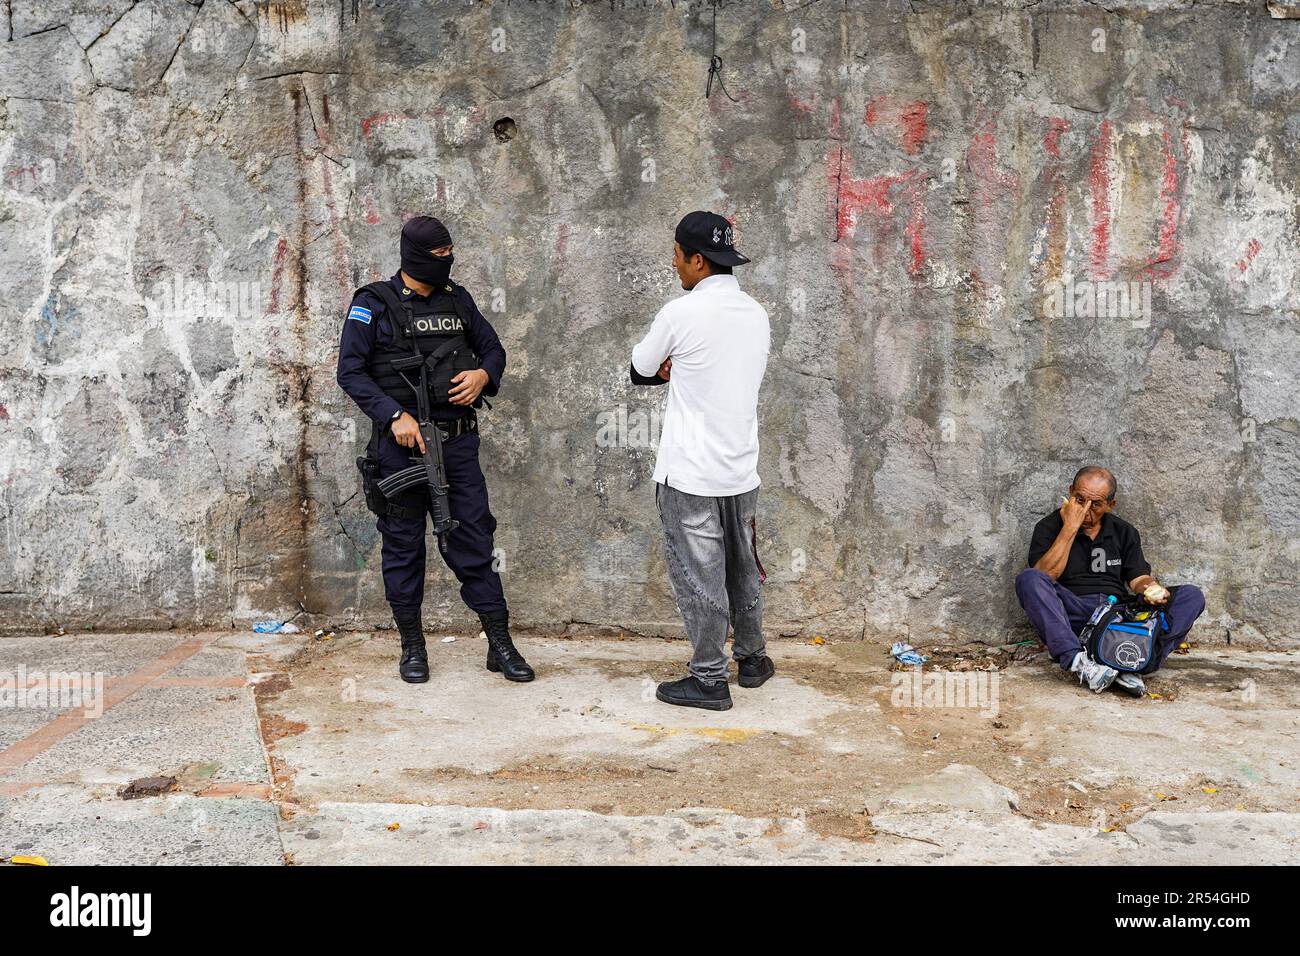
[[154, 674]]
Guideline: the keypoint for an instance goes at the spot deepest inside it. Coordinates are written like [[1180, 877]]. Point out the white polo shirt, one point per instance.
[[718, 338]]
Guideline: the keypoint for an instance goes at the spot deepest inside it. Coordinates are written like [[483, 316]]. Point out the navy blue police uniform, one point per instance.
[[400, 351], [370, 334]]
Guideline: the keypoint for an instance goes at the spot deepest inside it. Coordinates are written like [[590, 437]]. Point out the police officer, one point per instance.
[[421, 310]]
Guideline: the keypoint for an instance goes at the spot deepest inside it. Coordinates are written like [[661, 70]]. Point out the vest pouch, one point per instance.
[[460, 359]]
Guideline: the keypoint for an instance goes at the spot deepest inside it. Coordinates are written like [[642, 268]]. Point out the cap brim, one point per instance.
[[723, 258]]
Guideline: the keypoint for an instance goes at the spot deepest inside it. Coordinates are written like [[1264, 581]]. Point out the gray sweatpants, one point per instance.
[[715, 573]]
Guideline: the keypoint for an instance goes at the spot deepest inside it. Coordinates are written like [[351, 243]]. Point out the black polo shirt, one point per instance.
[[1101, 566]]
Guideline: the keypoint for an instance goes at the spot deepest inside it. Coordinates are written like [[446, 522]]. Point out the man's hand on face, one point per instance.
[[1074, 512], [666, 369], [406, 432], [466, 387]]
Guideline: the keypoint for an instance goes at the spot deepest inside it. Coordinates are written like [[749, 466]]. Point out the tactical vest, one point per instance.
[[433, 327]]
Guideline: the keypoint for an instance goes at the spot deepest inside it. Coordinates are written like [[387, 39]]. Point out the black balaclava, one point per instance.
[[419, 235]]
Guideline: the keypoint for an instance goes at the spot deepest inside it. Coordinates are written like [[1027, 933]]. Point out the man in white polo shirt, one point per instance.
[[710, 346]]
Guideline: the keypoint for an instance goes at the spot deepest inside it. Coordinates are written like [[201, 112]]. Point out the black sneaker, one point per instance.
[[690, 692], [754, 671]]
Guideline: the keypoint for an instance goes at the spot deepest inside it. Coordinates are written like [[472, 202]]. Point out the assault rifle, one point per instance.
[[432, 468]]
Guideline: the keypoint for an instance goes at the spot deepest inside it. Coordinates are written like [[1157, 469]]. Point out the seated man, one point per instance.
[[1078, 556]]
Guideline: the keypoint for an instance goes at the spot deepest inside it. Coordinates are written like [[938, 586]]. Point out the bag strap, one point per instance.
[[1092, 630], [445, 349], [1107, 616], [457, 305], [384, 292]]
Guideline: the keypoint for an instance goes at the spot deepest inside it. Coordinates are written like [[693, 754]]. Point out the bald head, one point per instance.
[[1092, 475]]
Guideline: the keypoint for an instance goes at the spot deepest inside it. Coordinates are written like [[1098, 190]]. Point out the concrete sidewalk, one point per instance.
[[287, 749]]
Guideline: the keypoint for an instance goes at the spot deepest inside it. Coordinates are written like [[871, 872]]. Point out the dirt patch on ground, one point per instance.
[[833, 778], [763, 776], [274, 727], [978, 657], [1114, 808]]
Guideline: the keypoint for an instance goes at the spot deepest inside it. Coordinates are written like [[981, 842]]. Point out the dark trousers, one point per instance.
[[1057, 614], [469, 547]]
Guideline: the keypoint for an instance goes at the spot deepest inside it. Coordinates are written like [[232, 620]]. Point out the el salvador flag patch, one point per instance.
[[360, 313]]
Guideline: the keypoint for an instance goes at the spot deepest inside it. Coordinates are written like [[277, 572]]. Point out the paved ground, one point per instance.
[[286, 749]]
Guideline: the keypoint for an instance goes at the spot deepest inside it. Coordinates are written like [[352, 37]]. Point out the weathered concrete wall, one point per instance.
[[192, 190]]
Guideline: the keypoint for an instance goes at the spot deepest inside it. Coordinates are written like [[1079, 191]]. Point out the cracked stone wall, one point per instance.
[[191, 190]]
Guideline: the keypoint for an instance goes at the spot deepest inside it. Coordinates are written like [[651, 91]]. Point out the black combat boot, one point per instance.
[[414, 666], [502, 656]]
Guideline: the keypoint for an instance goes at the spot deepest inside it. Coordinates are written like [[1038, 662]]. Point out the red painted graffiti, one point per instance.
[[338, 267], [856, 197], [908, 117], [1099, 183], [799, 106], [993, 190], [982, 161], [1162, 263], [277, 275], [1054, 176], [913, 119], [1052, 138], [855, 200], [1252, 250], [369, 123], [915, 229]]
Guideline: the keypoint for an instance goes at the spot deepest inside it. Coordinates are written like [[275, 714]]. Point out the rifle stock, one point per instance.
[[435, 469]]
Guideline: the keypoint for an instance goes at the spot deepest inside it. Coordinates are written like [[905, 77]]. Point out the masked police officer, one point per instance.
[[393, 329]]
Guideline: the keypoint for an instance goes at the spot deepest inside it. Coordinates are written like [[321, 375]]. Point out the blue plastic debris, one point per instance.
[[906, 654], [276, 627]]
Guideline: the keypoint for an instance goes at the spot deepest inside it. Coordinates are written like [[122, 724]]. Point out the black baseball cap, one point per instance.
[[711, 235]]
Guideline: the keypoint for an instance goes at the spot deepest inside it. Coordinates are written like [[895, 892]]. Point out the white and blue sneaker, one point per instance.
[[1131, 684], [1097, 676]]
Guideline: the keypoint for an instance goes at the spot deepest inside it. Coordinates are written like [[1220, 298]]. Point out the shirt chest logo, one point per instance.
[[1100, 562]]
